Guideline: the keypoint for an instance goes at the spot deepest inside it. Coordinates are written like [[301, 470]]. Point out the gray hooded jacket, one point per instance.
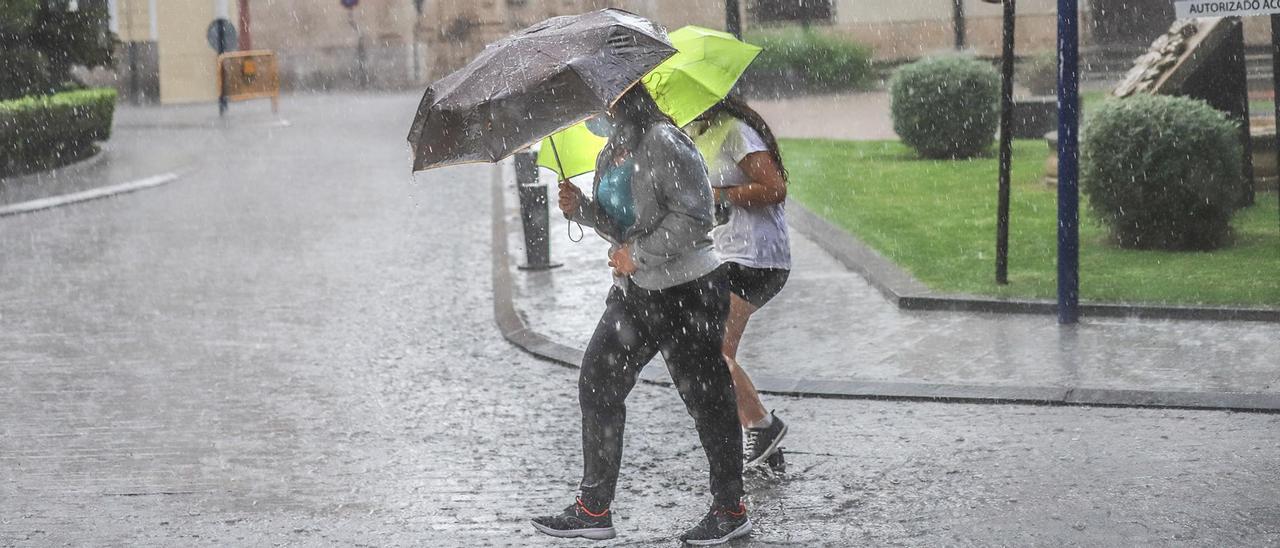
[[670, 240]]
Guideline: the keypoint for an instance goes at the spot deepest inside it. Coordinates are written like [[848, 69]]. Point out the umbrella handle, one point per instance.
[[552, 140], [569, 226]]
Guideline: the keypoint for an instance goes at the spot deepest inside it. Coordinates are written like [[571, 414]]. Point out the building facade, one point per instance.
[[166, 55], [390, 44]]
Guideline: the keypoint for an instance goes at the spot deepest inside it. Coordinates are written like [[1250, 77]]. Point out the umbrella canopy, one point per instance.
[[707, 66], [571, 152], [531, 84]]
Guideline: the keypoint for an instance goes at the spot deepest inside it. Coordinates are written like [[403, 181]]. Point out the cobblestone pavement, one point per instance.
[[295, 346]]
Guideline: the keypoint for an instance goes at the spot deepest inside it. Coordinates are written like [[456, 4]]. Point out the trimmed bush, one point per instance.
[[804, 60], [1162, 172], [1040, 73], [946, 107], [48, 131]]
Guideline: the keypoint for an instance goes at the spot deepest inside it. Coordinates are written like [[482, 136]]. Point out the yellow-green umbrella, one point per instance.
[[705, 67], [571, 152]]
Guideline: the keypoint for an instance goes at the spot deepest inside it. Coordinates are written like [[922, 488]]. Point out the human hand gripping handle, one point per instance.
[[570, 202], [570, 198]]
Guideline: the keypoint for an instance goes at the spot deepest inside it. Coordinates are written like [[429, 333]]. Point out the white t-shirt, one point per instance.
[[754, 236]]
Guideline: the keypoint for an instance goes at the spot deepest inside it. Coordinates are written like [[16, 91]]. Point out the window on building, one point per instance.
[[787, 11]]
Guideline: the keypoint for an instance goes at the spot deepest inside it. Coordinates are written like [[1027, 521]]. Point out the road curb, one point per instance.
[[92, 194], [513, 328], [904, 290]]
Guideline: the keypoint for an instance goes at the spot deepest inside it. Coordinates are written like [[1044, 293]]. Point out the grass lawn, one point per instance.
[[937, 220]]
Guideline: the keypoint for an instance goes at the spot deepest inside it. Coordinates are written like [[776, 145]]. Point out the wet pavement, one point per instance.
[[295, 345], [829, 323], [854, 116], [144, 143]]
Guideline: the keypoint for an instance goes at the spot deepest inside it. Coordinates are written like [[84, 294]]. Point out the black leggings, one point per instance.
[[686, 324]]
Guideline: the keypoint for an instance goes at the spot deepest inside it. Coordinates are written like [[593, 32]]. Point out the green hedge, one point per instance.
[[805, 60], [1162, 172], [47, 131], [946, 107]]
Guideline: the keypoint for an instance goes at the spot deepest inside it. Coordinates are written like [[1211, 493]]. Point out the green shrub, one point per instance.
[[47, 131], [1162, 172], [946, 107], [16, 14], [1040, 73], [25, 72], [804, 60], [41, 40]]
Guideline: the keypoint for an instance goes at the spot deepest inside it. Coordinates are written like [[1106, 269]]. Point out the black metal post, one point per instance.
[[222, 81], [533, 213], [1068, 158], [417, 24], [135, 85], [957, 22], [733, 18], [1275, 87], [362, 74], [1006, 146]]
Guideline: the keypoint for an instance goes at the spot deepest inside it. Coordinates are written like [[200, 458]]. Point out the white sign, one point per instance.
[[1225, 8]]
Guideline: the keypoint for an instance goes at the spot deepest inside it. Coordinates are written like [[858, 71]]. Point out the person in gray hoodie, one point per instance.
[[652, 201]]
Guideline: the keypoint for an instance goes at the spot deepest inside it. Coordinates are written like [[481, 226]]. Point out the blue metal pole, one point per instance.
[[1068, 168]]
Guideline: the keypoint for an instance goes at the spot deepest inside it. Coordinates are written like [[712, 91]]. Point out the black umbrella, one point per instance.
[[534, 83]]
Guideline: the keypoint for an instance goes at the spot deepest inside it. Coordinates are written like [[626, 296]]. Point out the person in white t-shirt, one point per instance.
[[750, 186]]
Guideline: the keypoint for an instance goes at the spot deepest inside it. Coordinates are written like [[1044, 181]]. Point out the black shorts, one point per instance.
[[755, 285]]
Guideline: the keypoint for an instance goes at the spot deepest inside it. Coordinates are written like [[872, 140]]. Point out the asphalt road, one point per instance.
[[294, 345]]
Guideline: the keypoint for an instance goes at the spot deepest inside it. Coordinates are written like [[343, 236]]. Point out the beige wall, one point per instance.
[[900, 40], [889, 11], [317, 45], [186, 62], [133, 19], [674, 14]]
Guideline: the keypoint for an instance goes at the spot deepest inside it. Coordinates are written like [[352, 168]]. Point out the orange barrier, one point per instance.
[[254, 74]]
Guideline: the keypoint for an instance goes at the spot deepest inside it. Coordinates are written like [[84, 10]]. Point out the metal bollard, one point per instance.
[[533, 213]]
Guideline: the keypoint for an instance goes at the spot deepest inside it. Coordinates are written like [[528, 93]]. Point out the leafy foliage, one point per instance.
[[16, 15], [41, 41], [25, 72], [1040, 73], [804, 60], [1162, 172], [40, 132], [946, 107]]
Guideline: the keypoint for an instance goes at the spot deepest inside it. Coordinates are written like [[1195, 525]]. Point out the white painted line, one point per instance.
[[93, 194]]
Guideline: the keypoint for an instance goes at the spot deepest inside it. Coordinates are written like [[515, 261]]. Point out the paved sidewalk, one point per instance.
[[852, 116], [295, 346], [145, 141], [830, 330]]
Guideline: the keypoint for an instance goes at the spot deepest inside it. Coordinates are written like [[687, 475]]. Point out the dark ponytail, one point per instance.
[[738, 108]]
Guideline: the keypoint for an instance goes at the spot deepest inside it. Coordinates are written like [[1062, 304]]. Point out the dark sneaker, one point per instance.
[[762, 443], [577, 521], [721, 525]]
